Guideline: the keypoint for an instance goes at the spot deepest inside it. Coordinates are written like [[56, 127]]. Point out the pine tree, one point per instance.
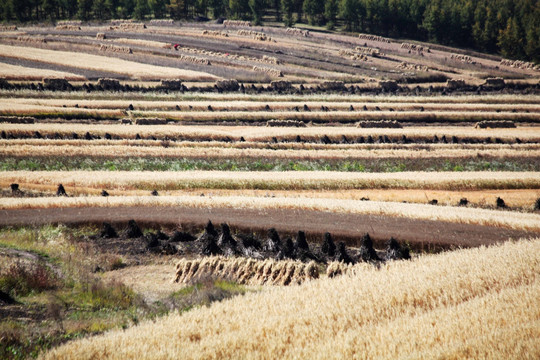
[[331, 8], [288, 7]]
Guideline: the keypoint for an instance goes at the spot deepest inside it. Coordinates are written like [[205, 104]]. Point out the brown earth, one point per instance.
[[420, 234]]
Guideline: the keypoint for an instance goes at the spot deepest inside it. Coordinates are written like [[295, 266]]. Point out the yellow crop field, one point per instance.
[[280, 180], [477, 302], [96, 62], [176, 189], [16, 72]]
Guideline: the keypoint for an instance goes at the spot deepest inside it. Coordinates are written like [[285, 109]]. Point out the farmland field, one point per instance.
[[352, 198]]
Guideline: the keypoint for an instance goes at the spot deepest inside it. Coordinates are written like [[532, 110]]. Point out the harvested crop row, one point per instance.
[[522, 199], [254, 134], [484, 302], [215, 152], [299, 180], [347, 98], [246, 271], [255, 105]]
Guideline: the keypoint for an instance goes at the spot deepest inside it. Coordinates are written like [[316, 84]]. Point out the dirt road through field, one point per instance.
[[421, 234]]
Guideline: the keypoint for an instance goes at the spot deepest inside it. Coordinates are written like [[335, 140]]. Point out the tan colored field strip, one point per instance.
[[480, 303], [255, 105], [102, 63], [505, 219], [251, 133], [320, 116], [227, 153], [522, 198], [293, 180], [16, 72], [507, 99]]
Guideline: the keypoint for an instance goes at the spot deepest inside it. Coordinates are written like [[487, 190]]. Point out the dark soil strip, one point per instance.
[[424, 235]]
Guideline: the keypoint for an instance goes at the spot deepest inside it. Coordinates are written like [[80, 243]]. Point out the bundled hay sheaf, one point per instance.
[[297, 32], [269, 71], [101, 36], [285, 123], [463, 58], [236, 23], [228, 85], [69, 22], [56, 84], [215, 33], [115, 48], [414, 47], [416, 67], [497, 82], [281, 85], [194, 60], [382, 124], [494, 124], [520, 64], [32, 39], [162, 22], [255, 35], [109, 84], [455, 84], [270, 59], [332, 86], [8, 27], [389, 85], [132, 26], [246, 271], [121, 21], [171, 84], [368, 51], [68, 27], [373, 38], [353, 55]]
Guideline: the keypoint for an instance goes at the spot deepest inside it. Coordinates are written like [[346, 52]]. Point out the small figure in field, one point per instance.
[[104, 193], [500, 203], [433, 202]]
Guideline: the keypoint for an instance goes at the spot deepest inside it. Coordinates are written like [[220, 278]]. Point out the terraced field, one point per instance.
[[363, 151]]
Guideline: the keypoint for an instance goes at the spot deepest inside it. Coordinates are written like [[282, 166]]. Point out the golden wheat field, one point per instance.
[[479, 303], [201, 190]]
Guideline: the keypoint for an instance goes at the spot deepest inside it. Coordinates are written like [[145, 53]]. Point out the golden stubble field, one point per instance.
[[104, 121]]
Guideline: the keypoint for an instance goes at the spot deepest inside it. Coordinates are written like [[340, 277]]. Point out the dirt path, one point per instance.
[[421, 234]]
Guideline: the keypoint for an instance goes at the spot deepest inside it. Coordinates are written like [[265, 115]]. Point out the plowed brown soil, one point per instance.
[[420, 234]]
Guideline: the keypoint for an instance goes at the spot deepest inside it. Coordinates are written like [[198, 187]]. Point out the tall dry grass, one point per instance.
[[294, 180], [102, 63], [216, 152], [498, 218], [246, 271], [477, 303]]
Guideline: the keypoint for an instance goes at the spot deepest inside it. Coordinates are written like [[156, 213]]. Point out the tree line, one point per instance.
[[508, 27]]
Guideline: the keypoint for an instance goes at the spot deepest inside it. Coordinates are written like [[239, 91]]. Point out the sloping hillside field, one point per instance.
[[199, 190]]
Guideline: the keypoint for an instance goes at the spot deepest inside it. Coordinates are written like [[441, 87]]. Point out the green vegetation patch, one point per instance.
[[183, 164]]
